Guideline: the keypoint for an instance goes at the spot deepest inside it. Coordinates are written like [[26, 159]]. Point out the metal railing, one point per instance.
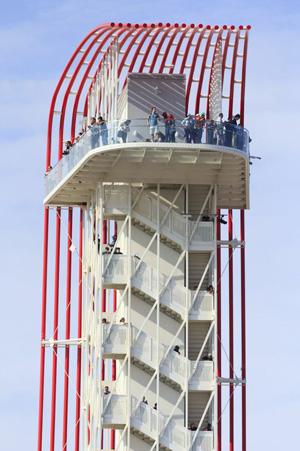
[[144, 418], [115, 132], [145, 349], [173, 294]]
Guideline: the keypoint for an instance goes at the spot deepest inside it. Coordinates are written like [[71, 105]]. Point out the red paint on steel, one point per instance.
[[158, 48], [43, 329], [55, 330], [203, 67], [219, 335], [231, 337], [56, 92], [137, 53], [114, 366], [127, 51], [79, 333], [69, 87], [119, 33], [243, 86], [225, 51], [148, 49], [167, 51], [82, 83], [192, 71], [187, 50], [177, 49], [104, 241], [67, 333], [233, 68], [243, 329]]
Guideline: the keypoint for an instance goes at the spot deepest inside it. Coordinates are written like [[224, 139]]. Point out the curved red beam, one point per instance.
[[187, 49], [158, 48], [199, 90], [67, 93], [84, 78], [167, 51], [233, 68], [192, 71], [56, 92], [243, 87]]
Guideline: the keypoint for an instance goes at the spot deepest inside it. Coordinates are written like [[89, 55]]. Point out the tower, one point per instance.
[[144, 318]]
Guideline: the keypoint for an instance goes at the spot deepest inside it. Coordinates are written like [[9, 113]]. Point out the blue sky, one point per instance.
[[36, 41]]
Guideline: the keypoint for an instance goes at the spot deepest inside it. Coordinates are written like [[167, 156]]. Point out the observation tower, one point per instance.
[[143, 303]]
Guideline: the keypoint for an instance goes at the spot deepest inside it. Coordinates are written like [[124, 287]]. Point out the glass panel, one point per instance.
[[212, 133]]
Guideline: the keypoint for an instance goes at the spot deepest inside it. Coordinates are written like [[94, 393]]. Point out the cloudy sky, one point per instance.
[[36, 40]]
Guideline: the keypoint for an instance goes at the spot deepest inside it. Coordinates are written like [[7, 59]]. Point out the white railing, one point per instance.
[[144, 418], [175, 224], [116, 336], [145, 279], [146, 207], [145, 349], [116, 409], [173, 296]]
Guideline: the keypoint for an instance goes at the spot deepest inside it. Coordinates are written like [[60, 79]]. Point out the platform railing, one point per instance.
[[144, 278], [228, 136], [144, 418], [145, 349], [175, 224]]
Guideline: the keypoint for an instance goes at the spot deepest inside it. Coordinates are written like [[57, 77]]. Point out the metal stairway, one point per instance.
[[144, 216], [173, 367], [173, 297], [144, 421]]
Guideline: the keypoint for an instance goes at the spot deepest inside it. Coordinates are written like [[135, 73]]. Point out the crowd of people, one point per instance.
[[217, 132]]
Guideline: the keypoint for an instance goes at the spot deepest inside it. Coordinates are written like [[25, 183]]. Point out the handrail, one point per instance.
[[227, 136]]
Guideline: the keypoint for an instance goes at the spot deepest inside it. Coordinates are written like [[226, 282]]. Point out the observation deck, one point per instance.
[[220, 157]]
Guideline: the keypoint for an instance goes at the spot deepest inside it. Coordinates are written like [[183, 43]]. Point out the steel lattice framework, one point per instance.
[[144, 48]]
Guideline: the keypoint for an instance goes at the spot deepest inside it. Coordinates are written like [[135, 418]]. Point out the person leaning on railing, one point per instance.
[[68, 148], [189, 128], [94, 130], [220, 129], [199, 124], [123, 130], [228, 132], [170, 129], [103, 130]]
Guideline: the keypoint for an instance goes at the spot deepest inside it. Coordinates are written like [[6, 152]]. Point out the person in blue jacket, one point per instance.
[[189, 128], [152, 122]]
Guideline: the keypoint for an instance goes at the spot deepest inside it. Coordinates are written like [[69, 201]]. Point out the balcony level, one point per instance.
[[221, 158], [143, 423]]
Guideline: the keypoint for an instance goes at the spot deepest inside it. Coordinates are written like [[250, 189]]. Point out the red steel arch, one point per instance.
[[180, 41]]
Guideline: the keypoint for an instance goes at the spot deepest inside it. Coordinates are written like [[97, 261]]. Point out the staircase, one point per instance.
[[173, 297], [144, 421], [173, 368], [144, 215]]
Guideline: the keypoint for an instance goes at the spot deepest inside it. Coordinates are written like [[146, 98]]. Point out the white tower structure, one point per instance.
[[149, 206]]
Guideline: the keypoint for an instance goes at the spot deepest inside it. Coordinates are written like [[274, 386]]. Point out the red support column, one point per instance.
[[243, 329], [78, 370], [104, 240], [231, 347], [43, 329], [114, 363], [219, 334], [55, 331], [67, 334]]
